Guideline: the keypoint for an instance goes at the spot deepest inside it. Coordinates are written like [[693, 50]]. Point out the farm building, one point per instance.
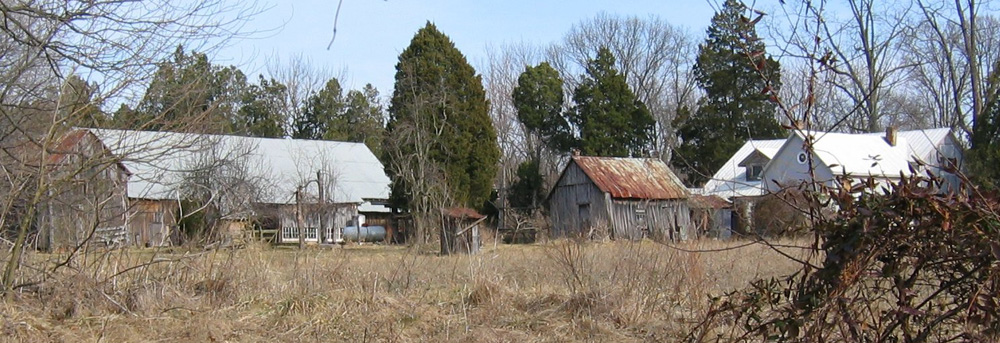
[[460, 230], [711, 216], [619, 198], [283, 185], [85, 201]]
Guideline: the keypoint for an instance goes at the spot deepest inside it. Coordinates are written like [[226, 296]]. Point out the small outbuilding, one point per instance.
[[460, 230], [711, 215], [619, 198]]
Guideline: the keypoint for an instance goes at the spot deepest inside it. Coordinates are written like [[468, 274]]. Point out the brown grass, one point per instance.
[[552, 292]]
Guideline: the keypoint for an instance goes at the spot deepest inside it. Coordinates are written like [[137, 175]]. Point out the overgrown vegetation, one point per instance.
[[559, 291]]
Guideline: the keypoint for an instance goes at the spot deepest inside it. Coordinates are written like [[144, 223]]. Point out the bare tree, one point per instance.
[[114, 42], [501, 69]]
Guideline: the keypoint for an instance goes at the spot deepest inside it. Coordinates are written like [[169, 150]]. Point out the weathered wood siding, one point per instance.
[[577, 206], [662, 220], [153, 223], [86, 200]]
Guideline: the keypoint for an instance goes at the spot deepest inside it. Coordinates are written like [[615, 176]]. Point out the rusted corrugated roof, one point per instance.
[[66, 146], [708, 201], [633, 178], [461, 212]]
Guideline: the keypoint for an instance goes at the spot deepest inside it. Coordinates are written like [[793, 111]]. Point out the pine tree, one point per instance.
[[188, 93], [738, 80], [439, 99], [609, 117]]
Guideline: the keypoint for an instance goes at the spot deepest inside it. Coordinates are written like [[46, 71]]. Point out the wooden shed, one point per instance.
[[711, 215], [460, 230], [619, 198]]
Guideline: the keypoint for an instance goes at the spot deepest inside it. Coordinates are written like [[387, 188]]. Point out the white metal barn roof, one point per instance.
[[161, 160]]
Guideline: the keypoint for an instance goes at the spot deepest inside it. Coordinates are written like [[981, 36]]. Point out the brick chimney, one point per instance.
[[575, 152], [890, 135]]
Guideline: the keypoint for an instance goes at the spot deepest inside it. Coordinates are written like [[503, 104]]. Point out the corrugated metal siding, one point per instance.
[[632, 178]]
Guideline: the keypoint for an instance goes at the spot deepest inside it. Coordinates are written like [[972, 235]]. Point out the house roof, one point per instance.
[[160, 162], [730, 180], [924, 144], [632, 178], [857, 154]]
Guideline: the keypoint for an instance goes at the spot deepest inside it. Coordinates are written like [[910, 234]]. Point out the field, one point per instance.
[[548, 292]]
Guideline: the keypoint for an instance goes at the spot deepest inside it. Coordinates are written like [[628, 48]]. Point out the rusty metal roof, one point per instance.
[[461, 212], [633, 178], [708, 201]]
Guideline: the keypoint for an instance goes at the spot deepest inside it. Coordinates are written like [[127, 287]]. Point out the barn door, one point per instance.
[[584, 215]]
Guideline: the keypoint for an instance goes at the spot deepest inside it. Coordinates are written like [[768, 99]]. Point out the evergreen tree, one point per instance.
[[441, 100], [78, 105], [260, 113], [361, 121], [320, 110], [528, 192], [188, 93], [984, 153], [609, 117], [738, 80], [538, 98]]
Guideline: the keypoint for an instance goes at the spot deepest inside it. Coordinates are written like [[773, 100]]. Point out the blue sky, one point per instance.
[[372, 33]]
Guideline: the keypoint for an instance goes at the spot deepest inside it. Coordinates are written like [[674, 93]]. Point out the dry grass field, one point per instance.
[[549, 292]]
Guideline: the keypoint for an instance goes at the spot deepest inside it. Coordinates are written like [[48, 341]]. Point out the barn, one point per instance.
[[291, 189], [85, 201], [619, 198]]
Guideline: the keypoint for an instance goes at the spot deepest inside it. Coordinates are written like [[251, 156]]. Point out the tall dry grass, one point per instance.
[[558, 291]]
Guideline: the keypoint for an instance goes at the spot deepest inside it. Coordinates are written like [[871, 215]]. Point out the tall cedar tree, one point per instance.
[[609, 117], [736, 105], [435, 85], [538, 98]]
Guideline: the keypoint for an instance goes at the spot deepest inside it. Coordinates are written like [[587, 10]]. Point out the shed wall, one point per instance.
[[576, 205], [662, 220]]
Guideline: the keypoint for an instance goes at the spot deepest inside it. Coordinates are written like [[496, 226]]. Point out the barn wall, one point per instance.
[[576, 205], [337, 216], [86, 200], [662, 220], [153, 223]]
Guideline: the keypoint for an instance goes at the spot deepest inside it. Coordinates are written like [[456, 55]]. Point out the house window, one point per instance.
[[802, 158], [754, 171]]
